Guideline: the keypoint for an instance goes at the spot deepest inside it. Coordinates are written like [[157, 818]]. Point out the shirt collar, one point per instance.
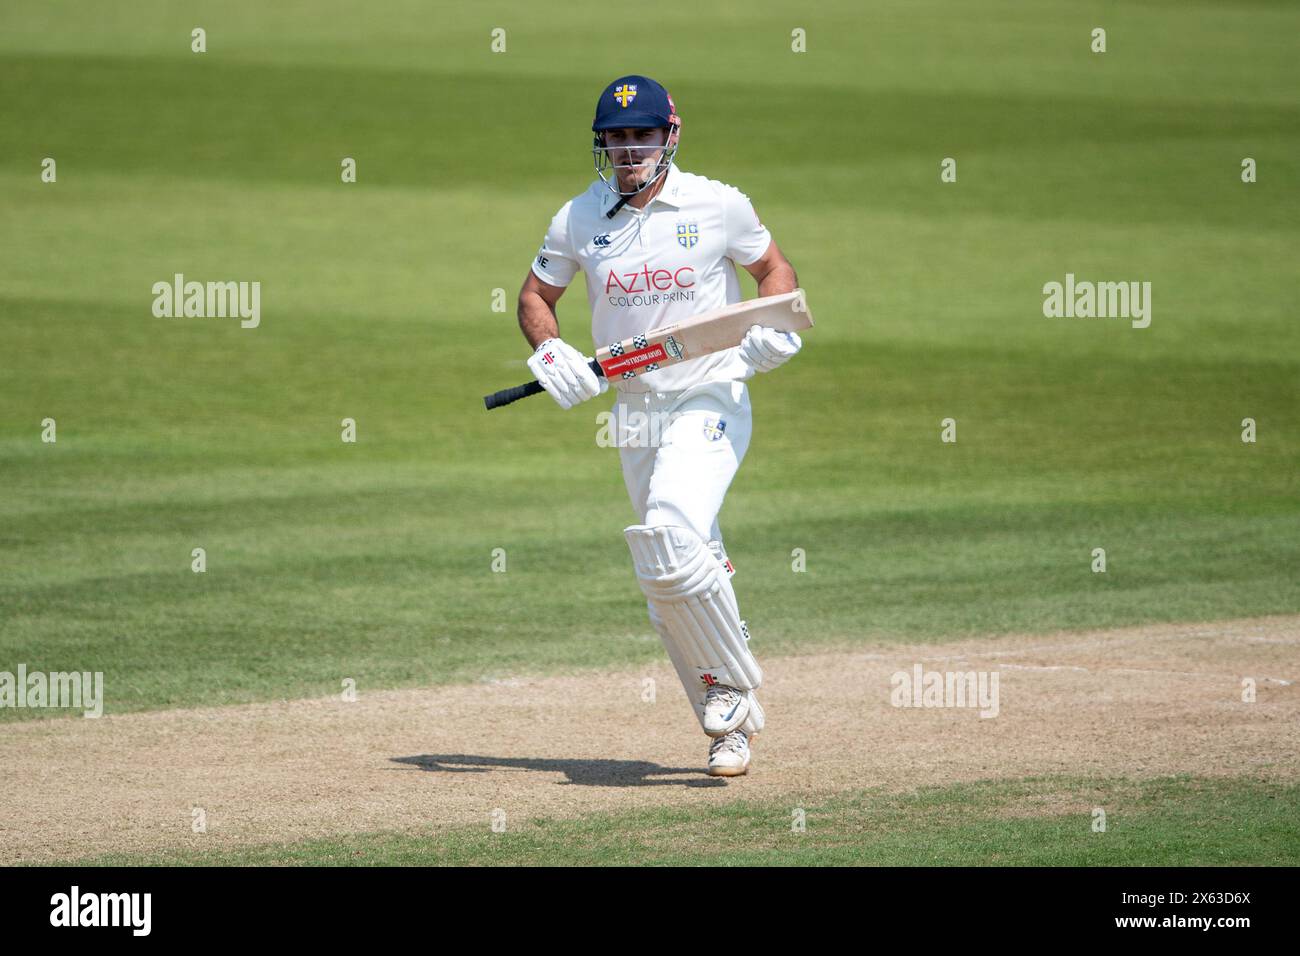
[[672, 194]]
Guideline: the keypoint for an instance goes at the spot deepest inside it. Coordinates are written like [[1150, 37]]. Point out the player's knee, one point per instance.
[[672, 561], [669, 514]]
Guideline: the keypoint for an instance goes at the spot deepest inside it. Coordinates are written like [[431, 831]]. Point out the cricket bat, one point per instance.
[[691, 338]]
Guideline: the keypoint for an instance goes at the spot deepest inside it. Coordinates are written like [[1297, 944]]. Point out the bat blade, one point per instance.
[[703, 334]]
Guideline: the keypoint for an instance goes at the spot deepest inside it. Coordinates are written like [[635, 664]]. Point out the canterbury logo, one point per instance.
[[601, 240]]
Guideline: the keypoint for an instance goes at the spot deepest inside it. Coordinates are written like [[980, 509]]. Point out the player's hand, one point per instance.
[[764, 349], [563, 371]]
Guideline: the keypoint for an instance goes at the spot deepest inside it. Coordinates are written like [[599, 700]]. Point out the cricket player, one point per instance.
[[658, 245]]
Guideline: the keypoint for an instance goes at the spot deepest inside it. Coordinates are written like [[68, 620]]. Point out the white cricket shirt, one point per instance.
[[649, 268]]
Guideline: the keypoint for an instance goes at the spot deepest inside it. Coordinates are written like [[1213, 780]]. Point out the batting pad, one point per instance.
[[754, 722], [688, 592], [692, 684]]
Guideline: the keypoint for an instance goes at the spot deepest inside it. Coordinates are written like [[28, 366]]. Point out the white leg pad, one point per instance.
[[685, 672], [754, 722], [688, 590], [694, 687]]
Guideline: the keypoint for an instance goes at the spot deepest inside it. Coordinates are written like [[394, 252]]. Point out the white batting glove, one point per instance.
[[764, 349], [563, 371]]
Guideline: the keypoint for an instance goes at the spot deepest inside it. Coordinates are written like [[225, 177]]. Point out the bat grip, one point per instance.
[[508, 395]]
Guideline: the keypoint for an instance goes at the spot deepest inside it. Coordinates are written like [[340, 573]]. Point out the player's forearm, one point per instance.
[[779, 280], [537, 319]]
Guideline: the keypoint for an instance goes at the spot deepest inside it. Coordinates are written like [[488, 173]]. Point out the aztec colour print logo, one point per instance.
[[644, 280], [625, 94], [688, 234]]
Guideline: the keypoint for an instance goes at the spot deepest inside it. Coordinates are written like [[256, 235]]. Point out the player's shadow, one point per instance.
[[586, 773]]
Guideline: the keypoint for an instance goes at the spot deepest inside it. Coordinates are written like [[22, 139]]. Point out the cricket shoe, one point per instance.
[[725, 709], [729, 755]]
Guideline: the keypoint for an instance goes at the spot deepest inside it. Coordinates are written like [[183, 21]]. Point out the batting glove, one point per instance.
[[565, 373], [764, 349]]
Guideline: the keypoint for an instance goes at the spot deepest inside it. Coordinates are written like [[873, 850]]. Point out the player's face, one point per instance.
[[634, 153]]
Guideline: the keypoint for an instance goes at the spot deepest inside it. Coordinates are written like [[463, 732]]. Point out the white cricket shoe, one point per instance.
[[729, 755], [725, 709]]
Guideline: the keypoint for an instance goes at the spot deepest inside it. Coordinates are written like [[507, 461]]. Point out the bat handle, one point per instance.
[[508, 395]]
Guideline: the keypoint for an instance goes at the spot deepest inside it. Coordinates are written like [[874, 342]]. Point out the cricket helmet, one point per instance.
[[634, 102]]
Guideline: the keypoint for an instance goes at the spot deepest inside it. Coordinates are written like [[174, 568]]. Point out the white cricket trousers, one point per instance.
[[688, 446]]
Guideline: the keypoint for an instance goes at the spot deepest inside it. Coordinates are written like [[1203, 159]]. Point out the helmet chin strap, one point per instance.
[[660, 170], [624, 197]]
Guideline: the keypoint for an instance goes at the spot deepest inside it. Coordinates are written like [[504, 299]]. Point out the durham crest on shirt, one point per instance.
[[688, 234]]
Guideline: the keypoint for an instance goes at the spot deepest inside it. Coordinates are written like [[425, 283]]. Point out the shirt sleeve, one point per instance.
[[555, 263], [747, 238]]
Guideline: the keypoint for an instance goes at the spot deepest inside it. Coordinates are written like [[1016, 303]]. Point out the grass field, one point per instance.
[[372, 560]]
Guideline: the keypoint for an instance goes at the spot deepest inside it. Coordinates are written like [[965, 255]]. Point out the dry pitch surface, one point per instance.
[[1139, 702]]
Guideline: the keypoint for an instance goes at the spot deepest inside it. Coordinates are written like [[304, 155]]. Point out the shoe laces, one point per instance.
[[728, 693], [736, 741]]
